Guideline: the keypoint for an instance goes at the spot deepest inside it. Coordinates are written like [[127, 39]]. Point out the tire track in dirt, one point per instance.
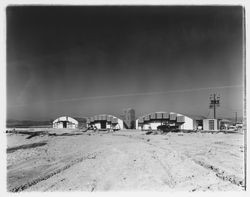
[[26, 146], [218, 172], [171, 181], [221, 174], [42, 178]]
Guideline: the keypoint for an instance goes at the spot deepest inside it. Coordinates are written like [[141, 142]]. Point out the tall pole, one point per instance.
[[235, 117], [214, 102], [214, 107]]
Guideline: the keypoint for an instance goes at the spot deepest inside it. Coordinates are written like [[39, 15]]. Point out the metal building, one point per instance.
[[65, 122], [174, 120], [104, 122]]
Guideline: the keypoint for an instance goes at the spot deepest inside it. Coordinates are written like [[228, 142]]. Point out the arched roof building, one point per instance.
[[65, 122], [176, 120], [105, 121]]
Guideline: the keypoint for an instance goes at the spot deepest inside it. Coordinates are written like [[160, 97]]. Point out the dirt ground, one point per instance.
[[126, 161]]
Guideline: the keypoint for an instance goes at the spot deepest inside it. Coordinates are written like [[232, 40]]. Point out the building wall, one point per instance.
[[71, 122], [108, 126], [207, 127], [120, 124], [137, 126], [98, 125], [154, 125], [59, 125], [96, 122], [188, 125]]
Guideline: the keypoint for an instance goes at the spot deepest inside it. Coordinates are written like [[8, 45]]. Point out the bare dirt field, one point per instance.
[[125, 161]]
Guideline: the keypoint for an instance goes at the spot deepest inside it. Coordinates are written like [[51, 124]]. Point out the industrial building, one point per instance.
[[65, 122], [129, 118], [104, 122], [174, 120]]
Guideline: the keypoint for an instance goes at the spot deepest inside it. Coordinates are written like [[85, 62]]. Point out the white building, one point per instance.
[[211, 124], [172, 119], [65, 122], [105, 121]]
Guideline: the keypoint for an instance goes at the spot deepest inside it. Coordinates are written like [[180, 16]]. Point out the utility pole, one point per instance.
[[235, 117], [214, 102]]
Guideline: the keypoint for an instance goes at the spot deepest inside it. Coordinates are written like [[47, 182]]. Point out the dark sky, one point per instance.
[[78, 60]]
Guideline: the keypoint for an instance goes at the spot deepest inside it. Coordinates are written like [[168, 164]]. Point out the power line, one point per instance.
[[232, 110], [131, 94], [208, 114]]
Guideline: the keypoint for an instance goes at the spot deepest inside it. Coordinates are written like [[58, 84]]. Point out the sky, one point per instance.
[[85, 60]]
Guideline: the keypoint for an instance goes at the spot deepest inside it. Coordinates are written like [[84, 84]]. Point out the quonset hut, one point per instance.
[[65, 122], [105, 121], [172, 119]]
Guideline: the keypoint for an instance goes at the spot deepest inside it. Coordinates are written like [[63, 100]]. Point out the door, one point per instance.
[[211, 124], [64, 124], [103, 124]]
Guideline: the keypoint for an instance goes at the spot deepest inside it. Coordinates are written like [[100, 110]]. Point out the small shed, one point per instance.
[[211, 124]]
